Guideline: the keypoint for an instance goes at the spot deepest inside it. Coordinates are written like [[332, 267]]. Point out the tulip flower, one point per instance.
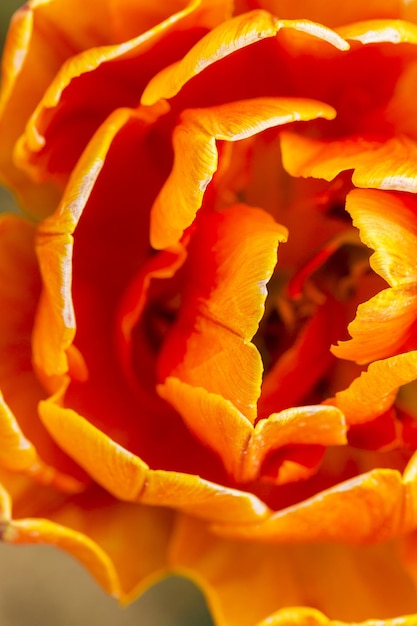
[[208, 301]]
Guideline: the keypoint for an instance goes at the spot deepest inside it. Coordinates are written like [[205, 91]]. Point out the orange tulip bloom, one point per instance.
[[175, 396]]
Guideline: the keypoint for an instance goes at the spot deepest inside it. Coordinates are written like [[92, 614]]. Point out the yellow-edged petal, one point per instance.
[[235, 34], [375, 390], [44, 34], [379, 31], [305, 425], [91, 84], [36, 530], [129, 478], [26, 446], [209, 346], [196, 156], [213, 419], [16, 451], [384, 505], [382, 327], [20, 456], [55, 323], [388, 164], [331, 14], [241, 447], [387, 223]]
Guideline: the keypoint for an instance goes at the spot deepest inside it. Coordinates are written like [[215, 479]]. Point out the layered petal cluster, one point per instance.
[[208, 303]]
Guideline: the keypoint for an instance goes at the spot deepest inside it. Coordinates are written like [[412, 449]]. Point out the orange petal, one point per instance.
[[128, 478], [243, 449], [201, 498], [384, 508], [383, 326], [388, 224], [5, 505], [232, 252], [300, 616], [196, 157], [213, 419], [106, 461], [235, 34], [246, 582], [379, 31], [375, 390], [42, 37], [17, 452], [19, 455], [383, 165], [163, 265], [331, 14], [55, 324], [81, 95], [305, 425], [26, 445]]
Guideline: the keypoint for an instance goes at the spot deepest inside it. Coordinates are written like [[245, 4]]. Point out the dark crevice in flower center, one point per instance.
[[286, 314], [159, 316]]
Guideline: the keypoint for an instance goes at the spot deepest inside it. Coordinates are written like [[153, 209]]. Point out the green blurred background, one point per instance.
[[41, 586]]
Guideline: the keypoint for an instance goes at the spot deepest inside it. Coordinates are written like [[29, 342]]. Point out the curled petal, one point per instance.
[[16, 452], [335, 15], [241, 31], [375, 390], [383, 326], [45, 35], [213, 419], [55, 324], [233, 252], [386, 164], [185, 492], [124, 472], [19, 455], [305, 425], [235, 34], [196, 156], [379, 31], [387, 223], [384, 505], [243, 448], [26, 446], [91, 84]]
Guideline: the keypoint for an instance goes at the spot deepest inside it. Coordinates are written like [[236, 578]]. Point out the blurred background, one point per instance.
[[41, 586]]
